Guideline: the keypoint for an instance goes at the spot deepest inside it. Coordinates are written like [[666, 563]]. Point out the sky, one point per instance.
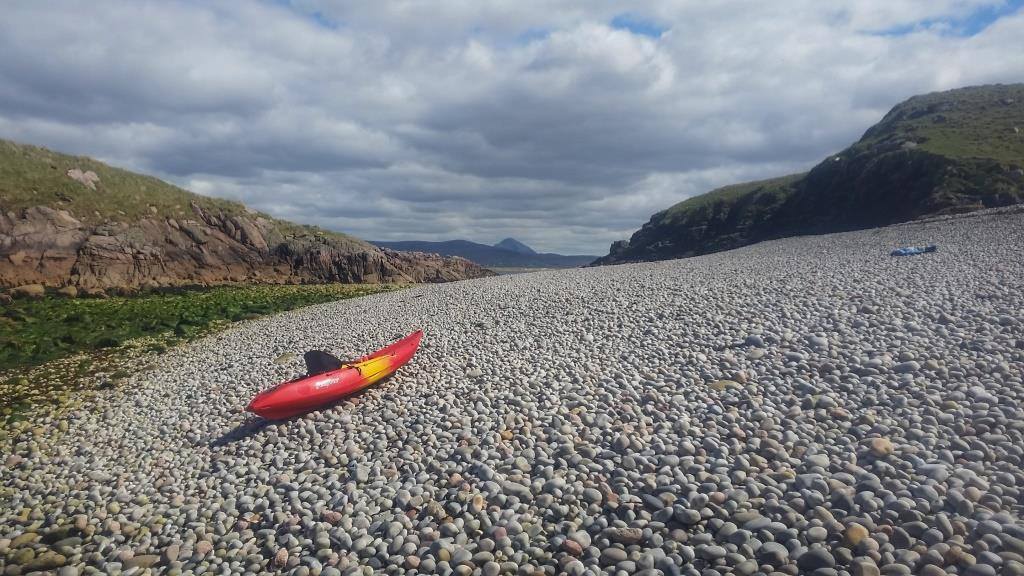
[[564, 124]]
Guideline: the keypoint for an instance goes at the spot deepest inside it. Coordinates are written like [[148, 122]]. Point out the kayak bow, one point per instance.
[[328, 380]]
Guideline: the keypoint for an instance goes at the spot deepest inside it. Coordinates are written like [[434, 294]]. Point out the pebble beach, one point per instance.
[[802, 406]]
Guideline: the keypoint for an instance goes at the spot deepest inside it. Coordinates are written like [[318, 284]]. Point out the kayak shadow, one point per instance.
[[244, 430], [254, 425]]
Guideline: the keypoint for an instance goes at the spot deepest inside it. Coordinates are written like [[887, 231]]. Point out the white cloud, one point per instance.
[[459, 118]]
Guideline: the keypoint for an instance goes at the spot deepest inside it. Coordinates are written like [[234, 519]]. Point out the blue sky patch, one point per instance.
[[323, 20], [318, 17], [533, 34], [974, 23], [637, 25]]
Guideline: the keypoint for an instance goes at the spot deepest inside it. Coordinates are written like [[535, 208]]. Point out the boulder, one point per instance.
[[34, 291], [87, 178]]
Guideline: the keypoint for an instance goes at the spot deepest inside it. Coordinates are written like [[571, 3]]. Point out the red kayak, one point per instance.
[[328, 380]]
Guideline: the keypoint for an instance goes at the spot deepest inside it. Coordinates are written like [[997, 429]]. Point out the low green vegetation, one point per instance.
[[36, 331], [53, 349]]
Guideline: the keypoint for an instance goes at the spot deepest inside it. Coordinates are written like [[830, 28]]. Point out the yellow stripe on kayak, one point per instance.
[[374, 369]]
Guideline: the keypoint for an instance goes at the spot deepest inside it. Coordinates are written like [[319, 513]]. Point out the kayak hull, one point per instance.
[[315, 391]]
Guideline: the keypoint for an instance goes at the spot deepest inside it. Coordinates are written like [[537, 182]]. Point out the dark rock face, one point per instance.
[[876, 187], [618, 247], [43, 245]]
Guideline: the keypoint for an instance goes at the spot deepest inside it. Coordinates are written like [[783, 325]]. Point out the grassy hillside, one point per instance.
[[732, 192], [982, 122], [780, 188], [35, 176], [945, 152]]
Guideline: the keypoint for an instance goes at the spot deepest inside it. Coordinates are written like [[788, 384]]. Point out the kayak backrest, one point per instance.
[[318, 362]]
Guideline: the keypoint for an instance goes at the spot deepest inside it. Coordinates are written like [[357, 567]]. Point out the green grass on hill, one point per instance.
[[727, 194], [49, 347], [35, 176], [976, 122]]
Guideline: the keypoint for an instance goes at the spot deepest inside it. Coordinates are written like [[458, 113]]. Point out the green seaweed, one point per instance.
[[54, 349]]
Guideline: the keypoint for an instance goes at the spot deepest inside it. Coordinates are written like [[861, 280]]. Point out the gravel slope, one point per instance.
[[809, 405]]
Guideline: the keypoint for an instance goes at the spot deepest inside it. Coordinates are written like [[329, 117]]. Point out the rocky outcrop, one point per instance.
[[38, 245], [87, 178], [51, 247], [28, 291], [71, 221]]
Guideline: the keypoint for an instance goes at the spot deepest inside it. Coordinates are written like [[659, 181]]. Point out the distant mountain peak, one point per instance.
[[497, 256], [513, 245]]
